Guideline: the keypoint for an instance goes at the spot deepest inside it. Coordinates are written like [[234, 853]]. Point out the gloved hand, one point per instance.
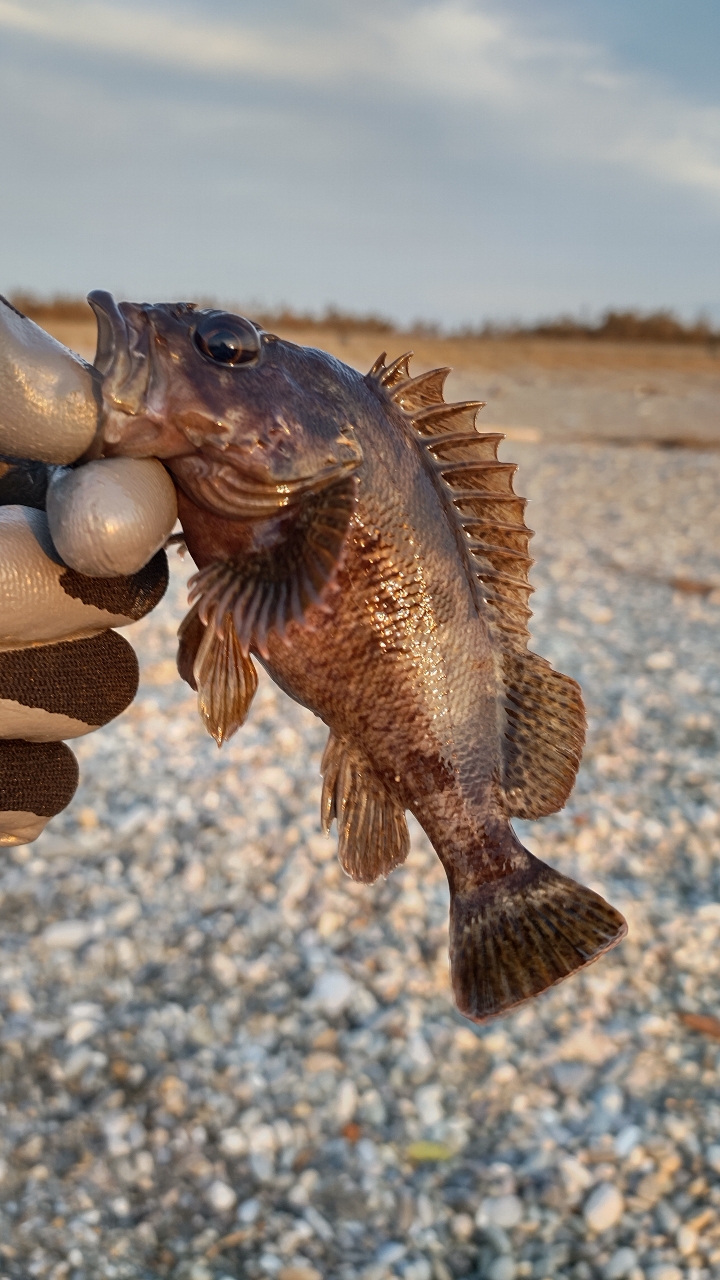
[[64, 671]]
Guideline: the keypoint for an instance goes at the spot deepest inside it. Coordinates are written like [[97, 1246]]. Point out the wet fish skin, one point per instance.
[[406, 636]]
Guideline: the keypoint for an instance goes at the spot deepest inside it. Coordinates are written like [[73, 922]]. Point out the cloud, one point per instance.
[[552, 97]]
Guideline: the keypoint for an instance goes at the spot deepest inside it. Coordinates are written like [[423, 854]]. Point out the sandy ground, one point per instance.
[[220, 1058]]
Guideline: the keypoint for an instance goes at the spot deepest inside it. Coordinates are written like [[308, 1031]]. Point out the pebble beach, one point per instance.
[[220, 1058]]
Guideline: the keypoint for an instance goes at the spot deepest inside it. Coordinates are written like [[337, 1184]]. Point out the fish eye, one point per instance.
[[227, 339]]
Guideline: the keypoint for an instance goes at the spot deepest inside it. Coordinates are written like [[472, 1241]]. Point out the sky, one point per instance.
[[447, 160]]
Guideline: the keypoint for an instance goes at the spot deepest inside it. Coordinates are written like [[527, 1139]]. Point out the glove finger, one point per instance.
[[47, 393], [44, 601], [37, 780], [54, 691], [108, 517]]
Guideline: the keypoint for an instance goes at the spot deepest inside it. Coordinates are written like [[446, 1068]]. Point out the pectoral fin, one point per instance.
[[277, 583], [373, 835], [211, 660]]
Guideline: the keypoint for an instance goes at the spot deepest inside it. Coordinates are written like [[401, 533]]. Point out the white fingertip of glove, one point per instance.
[[36, 607], [17, 827], [48, 408], [109, 517]]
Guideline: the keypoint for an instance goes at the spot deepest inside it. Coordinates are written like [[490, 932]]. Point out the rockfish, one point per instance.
[[360, 538]]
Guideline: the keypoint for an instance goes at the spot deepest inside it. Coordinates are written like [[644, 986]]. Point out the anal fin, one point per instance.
[[373, 835], [512, 938]]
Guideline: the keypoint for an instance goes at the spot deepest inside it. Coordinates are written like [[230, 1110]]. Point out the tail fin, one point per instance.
[[511, 939]]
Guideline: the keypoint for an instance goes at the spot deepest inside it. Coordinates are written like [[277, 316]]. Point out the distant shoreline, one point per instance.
[[657, 327]]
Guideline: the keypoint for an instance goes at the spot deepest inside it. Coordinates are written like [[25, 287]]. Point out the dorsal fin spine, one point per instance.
[[397, 371], [451, 438], [473, 522], [493, 575], [426, 389], [486, 495], [429, 422], [492, 549]]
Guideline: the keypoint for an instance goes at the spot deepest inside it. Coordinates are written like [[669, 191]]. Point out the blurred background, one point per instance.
[[450, 160]]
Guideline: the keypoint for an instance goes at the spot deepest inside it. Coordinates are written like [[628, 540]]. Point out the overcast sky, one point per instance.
[[446, 159]]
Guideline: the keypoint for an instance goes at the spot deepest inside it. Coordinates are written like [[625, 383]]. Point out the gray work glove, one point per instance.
[[79, 555]]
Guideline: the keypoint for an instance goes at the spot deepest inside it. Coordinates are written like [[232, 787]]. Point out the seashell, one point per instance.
[[109, 517]]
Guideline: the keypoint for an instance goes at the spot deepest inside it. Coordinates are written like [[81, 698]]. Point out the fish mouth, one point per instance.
[[122, 356]]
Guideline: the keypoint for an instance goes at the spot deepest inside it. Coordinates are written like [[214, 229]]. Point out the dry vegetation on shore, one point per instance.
[[620, 341]]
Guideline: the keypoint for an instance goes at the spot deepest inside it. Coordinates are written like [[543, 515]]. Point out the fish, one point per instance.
[[359, 537]]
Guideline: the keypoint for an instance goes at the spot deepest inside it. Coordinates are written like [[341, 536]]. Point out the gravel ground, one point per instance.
[[220, 1058]]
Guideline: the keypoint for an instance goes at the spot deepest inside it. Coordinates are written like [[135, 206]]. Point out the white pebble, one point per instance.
[[249, 1211], [502, 1268], [621, 1264], [666, 1271], [390, 1253], [500, 1211], [347, 1100], [270, 1263], [220, 1196], [462, 1226], [576, 1176], [687, 1238], [233, 1142], [712, 1155], [332, 991], [627, 1139], [80, 1030], [661, 661], [428, 1102], [68, 934], [603, 1207]]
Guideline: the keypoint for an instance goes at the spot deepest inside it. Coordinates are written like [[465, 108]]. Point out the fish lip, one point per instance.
[[112, 335], [122, 358]]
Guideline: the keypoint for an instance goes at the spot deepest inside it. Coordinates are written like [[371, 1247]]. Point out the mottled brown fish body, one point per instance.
[[377, 566], [403, 664]]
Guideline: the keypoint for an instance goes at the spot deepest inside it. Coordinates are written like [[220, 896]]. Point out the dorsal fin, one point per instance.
[[437, 419], [398, 371], [415, 393], [544, 714]]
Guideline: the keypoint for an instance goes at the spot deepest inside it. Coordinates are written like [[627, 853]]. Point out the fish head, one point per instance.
[[246, 423]]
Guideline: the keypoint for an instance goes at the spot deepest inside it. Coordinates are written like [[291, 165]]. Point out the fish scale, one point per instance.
[[373, 555]]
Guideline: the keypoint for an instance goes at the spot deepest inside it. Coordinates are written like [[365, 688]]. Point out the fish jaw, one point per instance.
[[243, 442]]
